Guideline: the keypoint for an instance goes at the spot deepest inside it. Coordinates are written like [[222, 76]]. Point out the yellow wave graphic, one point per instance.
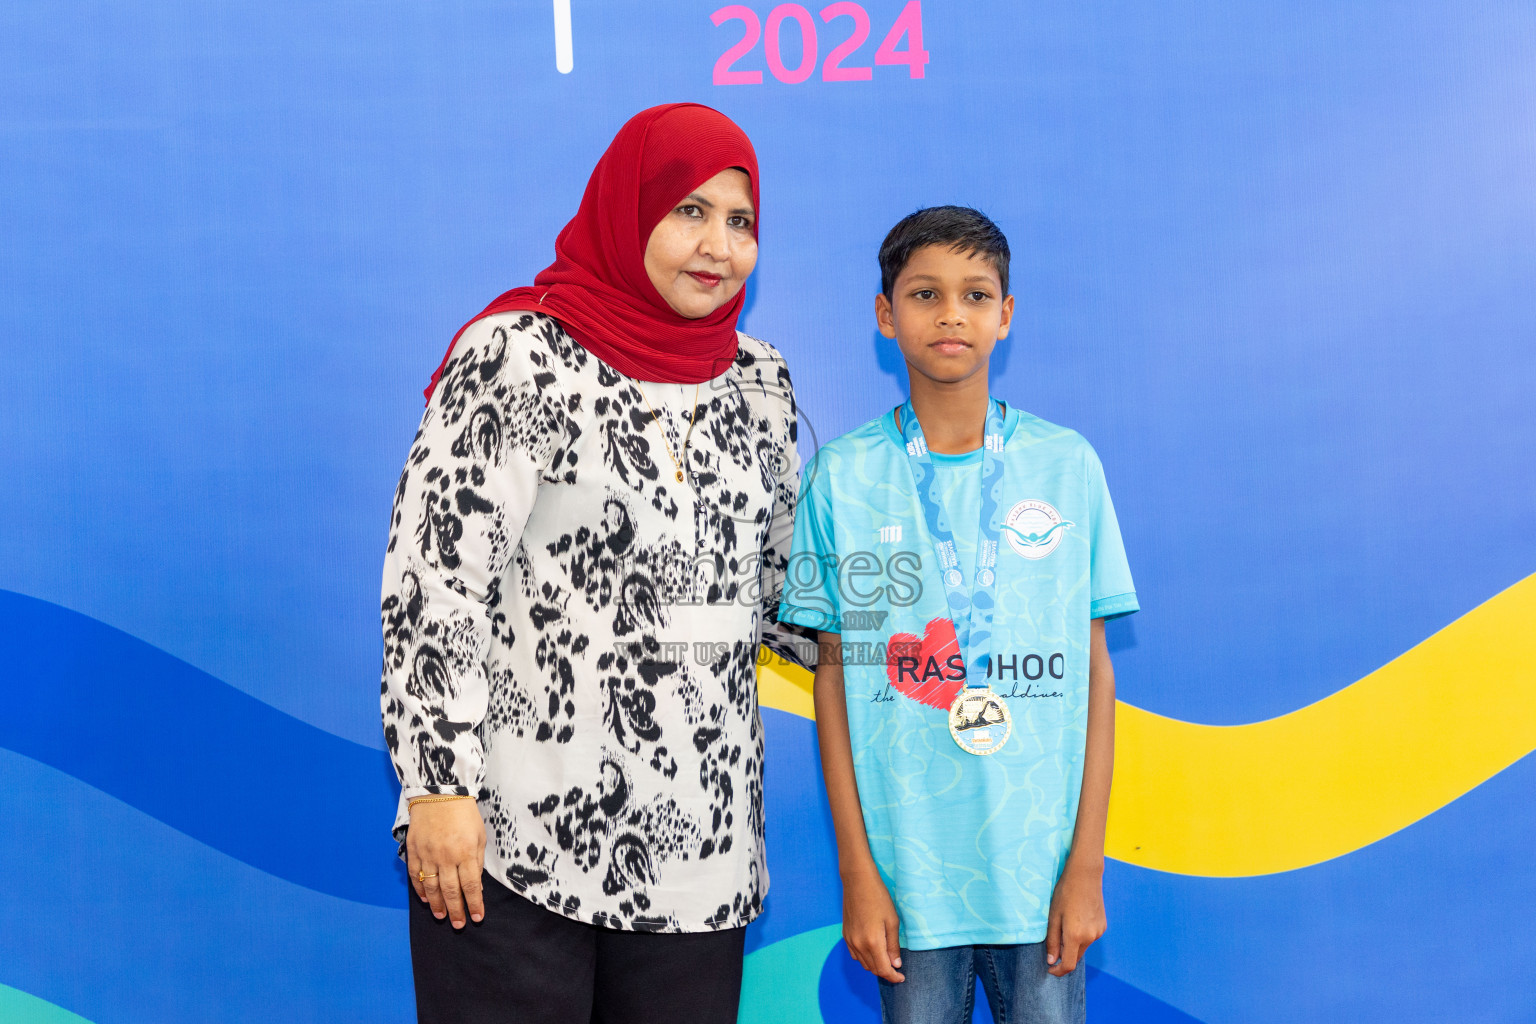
[[1324, 780]]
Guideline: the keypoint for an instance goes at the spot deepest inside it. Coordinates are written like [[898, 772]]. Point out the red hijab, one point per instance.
[[597, 287]]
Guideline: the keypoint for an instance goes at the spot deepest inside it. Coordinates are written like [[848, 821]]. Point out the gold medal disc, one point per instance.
[[979, 721]]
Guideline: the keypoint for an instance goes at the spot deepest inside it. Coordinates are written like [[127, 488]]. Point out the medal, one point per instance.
[[978, 719]]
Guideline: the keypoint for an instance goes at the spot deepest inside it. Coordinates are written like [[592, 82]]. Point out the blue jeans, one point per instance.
[[941, 987]]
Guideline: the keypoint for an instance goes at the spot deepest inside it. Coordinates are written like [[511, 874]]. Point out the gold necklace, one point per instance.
[[693, 417]]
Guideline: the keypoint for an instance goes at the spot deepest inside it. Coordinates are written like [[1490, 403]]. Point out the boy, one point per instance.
[[959, 557]]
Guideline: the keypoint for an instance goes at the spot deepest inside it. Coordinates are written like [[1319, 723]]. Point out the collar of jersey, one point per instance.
[[893, 435]]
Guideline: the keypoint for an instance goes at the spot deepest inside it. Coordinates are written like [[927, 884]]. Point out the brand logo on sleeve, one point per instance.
[[1034, 528]]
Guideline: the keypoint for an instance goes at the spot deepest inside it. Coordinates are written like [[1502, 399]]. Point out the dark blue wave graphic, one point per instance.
[[1112, 1001], [125, 920], [196, 753]]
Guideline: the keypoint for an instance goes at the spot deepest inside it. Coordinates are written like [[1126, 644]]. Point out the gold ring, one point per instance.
[[421, 877]]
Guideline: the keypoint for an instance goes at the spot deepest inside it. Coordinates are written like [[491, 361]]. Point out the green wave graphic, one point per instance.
[[17, 1007]]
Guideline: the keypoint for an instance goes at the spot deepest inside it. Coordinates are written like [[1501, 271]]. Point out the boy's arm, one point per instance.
[[869, 917], [1077, 905]]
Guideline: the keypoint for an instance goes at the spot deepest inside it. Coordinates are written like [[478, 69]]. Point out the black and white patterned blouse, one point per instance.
[[571, 634]]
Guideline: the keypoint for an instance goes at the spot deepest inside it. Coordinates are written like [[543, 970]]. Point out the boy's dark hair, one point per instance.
[[959, 228]]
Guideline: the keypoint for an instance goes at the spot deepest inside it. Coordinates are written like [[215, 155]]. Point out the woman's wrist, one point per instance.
[[436, 798]]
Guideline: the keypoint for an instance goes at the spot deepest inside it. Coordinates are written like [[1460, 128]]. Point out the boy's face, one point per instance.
[[946, 311]]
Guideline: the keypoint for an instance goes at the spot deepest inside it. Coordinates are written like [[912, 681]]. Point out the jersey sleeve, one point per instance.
[[1111, 590], [810, 585]]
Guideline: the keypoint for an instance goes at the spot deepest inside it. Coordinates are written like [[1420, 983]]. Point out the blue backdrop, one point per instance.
[[1275, 261]]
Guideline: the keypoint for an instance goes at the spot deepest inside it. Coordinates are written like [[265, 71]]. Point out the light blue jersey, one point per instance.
[[969, 846]]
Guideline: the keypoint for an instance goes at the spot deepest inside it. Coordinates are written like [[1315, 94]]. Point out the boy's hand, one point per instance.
[[870, 925], [1077, 917]]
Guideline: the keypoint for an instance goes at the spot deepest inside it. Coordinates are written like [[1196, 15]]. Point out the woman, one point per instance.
[[587, 546]]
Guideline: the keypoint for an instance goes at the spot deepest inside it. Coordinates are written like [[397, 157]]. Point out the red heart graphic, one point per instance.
[[934, 651]]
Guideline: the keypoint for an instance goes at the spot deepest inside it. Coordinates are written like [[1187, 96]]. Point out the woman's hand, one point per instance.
[[446, 844], [870, 924]]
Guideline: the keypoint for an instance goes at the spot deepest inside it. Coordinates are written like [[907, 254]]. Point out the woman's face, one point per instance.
[[704, 250]]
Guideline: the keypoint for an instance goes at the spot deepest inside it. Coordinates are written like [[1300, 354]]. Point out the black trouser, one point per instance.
[[527, 965]]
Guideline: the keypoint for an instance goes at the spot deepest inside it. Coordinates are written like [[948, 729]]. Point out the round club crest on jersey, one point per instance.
[[979, 721], [1034, 528]]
